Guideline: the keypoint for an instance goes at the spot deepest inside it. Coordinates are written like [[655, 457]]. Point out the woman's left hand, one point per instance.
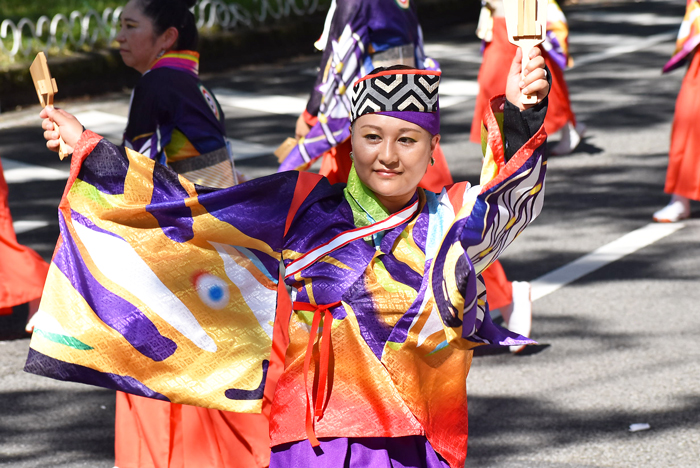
[[533, 83]]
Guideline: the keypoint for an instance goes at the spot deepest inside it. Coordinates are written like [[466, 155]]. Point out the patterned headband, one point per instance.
[[410, 95]]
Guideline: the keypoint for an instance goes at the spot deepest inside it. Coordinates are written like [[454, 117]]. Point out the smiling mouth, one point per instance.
[[386, 173]]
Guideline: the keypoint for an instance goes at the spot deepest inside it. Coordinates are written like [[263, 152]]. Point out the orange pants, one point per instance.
[[22, 271], [499, 291], [683, 175], [157, 434], [336, 166], [493, 76]]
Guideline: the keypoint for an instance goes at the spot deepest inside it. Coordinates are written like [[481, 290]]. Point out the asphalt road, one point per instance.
[[618, 346]]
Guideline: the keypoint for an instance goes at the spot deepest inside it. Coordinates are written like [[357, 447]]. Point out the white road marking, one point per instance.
[[108, 125], [245, 150], [272, 104], [456, 52], [642, 19], [454, 92], [112, 127], [622, 49], [26, 226], [18, 172], [625, 245]]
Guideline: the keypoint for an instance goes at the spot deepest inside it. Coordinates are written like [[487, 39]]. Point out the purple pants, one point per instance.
[[375, 452]]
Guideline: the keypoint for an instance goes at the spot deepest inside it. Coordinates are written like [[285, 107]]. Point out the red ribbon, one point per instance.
[[315, 413]]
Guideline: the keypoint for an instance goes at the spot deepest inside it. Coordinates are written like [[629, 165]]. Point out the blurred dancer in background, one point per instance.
[[498, 52], [175, 120], [22, 271], [683, 175], [359, 35]]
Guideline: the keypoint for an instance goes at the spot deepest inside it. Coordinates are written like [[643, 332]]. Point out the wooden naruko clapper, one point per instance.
[[526, 21], [46, 88]]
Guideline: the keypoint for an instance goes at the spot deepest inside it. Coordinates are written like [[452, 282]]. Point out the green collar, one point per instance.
[[366, 209]]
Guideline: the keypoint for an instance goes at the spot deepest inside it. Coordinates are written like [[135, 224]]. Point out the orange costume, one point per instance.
[[22, 271], [152, 432], [683, 176], [497, 57]]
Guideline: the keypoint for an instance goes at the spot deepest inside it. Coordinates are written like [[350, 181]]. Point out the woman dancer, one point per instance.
[[683, 175], [389, 300], [175, 120], [359, 36], [498, 52], [173, 117]]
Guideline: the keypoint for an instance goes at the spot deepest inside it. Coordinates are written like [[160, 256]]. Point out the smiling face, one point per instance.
[[139, 45], [391, 157]]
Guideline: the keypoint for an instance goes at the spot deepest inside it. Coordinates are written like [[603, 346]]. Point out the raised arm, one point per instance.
[[491, 215]]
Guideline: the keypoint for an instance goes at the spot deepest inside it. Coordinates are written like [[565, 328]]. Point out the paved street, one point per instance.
[[616, 298]]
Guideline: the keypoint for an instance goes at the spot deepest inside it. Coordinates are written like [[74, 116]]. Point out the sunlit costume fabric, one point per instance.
[[683, 175], [175, 120], [166, 289], [363, 35], [22, 271], [498, 54]]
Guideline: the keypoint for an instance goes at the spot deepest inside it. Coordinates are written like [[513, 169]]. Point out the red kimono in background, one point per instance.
[[683, 175], [22, 271], [493, 75]]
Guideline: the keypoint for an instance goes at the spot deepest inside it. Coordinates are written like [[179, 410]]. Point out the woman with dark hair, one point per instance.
[[389, 300], [173, 117], [175, 120]]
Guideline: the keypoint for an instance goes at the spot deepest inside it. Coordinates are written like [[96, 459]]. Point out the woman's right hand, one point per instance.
[[68, 128]]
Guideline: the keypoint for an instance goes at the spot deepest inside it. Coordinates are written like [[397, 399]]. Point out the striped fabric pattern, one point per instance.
[[184, 60]]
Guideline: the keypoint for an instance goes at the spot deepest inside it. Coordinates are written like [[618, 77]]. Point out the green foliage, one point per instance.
[[33, 9]]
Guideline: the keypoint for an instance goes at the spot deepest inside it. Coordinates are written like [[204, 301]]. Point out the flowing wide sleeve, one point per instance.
[[488, 218], [342, 66], [161, 288]]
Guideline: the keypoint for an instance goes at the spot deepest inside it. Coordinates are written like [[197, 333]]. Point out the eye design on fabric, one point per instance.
[[212, 290]]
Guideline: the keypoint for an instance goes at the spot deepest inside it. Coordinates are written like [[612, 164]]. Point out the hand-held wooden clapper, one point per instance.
[[526, 21], [46, 88]]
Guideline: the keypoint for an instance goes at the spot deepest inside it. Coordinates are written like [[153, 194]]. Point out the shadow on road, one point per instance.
[[549, 428], [57, 428]]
